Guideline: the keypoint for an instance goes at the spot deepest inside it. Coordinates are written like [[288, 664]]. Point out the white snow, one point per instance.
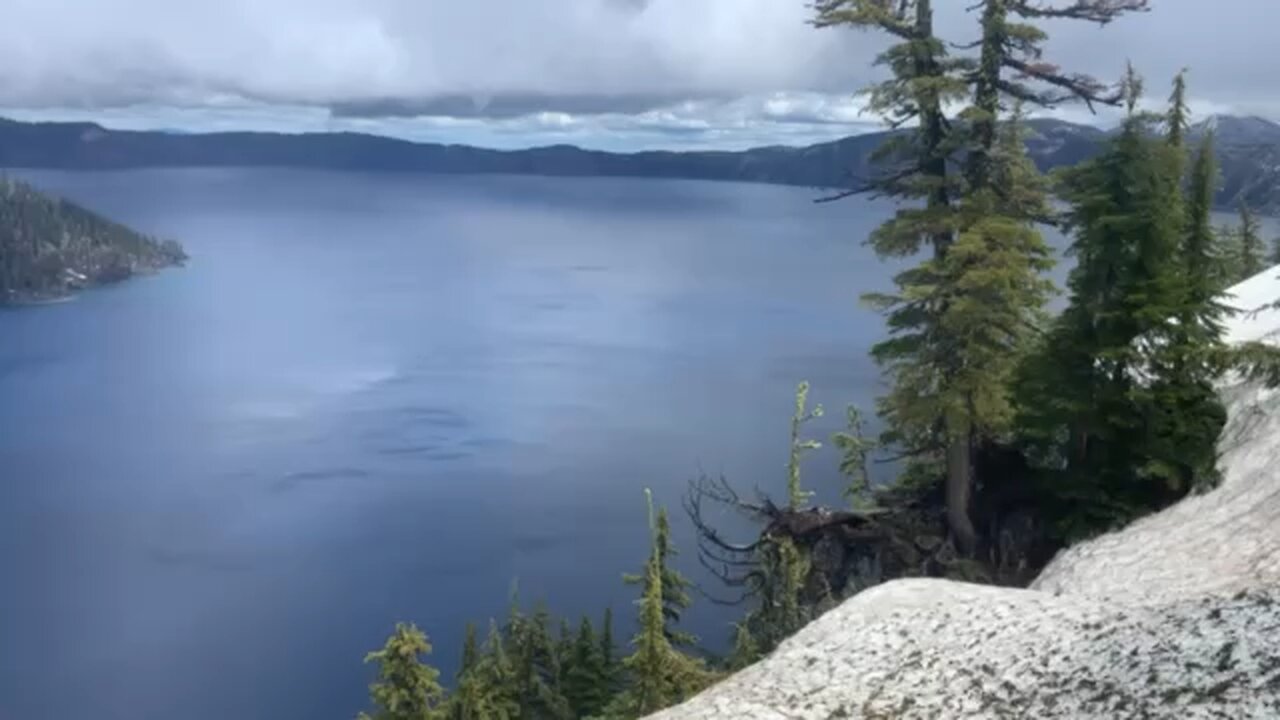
[[1176, 616]]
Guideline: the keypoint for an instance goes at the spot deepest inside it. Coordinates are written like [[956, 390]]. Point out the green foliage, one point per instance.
[[784, 569], [536, 665], [746, 650], [659, 674], [587, 686], [1258, 362], [855, 449], [1206, 268], [675, 586], [612, 677], [407, 688], [797, 496], [470, 651], [486, 681], [1178, 118], [564, 651], [1119, 404], [1250, 245], [44, 240], [961, 320]]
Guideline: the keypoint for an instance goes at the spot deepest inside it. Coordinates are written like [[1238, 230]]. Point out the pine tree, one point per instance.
[[855, 449], [538, 669], [924, 80], [1226, 241], [534, 663], [1011, 67], [485, 680], [797, 496], [462, 702], [609, 655], [1205, 269], [1185, 416], [586, 683], [1206, 273], [1123, 387], [782, 610], [940, 406], [746, 650], [496, 681], [1178, 118], [1250, 239], [1275, 251], [675, 586], [407, 688], [470, 651], [564, 652], [659, 674]]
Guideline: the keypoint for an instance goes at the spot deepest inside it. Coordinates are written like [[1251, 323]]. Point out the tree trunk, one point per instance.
[[960, 491]]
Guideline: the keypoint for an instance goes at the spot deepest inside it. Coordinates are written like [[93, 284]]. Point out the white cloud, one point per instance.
[[617, 73]]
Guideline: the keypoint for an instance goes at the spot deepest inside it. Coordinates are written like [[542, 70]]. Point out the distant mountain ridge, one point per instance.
[[1249, 155]]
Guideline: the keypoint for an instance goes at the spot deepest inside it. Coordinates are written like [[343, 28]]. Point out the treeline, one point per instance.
[[526, 668], [1097, 416], [532, 666], [49, 246], [1243, 249]]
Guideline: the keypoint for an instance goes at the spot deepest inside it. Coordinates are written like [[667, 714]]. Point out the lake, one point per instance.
[[373, 398]]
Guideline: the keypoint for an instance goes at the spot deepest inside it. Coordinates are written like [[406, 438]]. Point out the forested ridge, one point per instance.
[[1249, 150], [50, 246], [1018, 432]]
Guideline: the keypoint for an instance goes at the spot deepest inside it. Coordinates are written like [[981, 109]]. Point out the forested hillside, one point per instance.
[[1250, 148], [50, 246]]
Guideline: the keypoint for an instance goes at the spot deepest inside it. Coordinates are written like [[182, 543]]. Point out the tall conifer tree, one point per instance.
[[924, 80], [797, 496], [609, 655], [586, 683], [939, 407], [1125, 384], [1252, 260], [675, 586], [659, 675], [407, 688]]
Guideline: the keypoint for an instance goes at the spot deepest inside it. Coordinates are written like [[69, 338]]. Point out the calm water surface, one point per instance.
[[380, 397], [372, 398]]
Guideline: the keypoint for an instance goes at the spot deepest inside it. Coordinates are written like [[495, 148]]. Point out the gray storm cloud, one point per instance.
[[507, 57]]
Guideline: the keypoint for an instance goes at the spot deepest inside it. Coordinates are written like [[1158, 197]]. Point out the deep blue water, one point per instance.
[[380, 397]]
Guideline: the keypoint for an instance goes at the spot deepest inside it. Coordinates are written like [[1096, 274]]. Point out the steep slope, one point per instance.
[[1176, 616], [49, 247]]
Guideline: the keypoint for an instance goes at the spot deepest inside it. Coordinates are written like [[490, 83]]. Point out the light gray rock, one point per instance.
[[1176, 616]]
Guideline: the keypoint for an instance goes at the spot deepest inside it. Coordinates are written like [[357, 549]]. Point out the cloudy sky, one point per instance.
[[617, 74]]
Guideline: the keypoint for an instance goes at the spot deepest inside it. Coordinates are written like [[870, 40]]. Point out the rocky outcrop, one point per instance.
[[1176, 616]]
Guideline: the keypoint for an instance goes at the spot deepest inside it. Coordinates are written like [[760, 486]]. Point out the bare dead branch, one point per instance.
[[871, 185], [1096, 11]]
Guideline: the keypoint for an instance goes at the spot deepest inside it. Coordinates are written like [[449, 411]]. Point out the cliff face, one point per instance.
[[50, 247], [1177, 615]]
